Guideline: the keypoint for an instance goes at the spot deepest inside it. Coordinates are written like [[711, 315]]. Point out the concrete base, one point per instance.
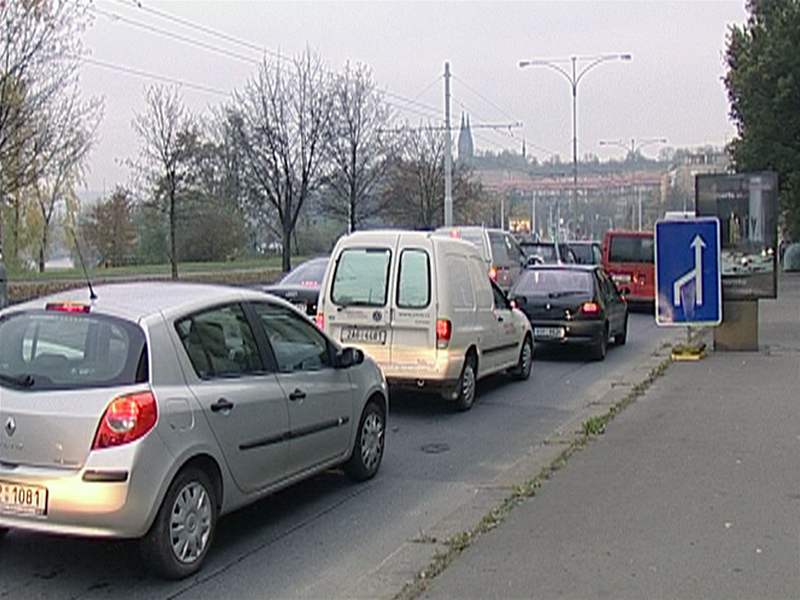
[[739, 328]]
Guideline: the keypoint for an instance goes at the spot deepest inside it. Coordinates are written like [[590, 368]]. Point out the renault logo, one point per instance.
[[11, 426]]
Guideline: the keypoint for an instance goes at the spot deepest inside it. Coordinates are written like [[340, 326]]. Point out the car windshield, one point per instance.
[[362, 277], [547, 252], [309, 274], [46, 350], [631, 249], [554, 282]]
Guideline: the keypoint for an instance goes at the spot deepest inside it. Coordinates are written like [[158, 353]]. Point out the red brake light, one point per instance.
[[444, 331], [493, 274], [455, 233], [68, 307], [126, 419], [590, 308], [319, 319]]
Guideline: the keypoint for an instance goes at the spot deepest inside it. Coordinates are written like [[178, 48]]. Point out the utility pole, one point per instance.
[[448, 155], [533, 216]]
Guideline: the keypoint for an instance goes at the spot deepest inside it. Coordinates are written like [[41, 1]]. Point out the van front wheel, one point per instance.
[[467, 387]]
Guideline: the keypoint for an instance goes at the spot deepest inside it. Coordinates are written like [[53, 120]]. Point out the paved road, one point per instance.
[[325, 538]]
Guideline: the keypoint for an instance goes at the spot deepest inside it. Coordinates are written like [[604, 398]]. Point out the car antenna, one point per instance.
[[92, 295]]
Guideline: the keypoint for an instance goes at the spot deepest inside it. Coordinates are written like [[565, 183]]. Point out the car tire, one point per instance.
[[467, 384], [600, 349], [369, 445], [525, 363], [621, 338], [191, 493]]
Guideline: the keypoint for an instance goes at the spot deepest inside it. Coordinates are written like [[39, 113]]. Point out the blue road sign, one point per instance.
[[688, 273]]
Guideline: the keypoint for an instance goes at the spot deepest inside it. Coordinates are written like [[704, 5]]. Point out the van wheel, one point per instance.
[[179, 539], [523, 369], [467, 385], [370, 441]]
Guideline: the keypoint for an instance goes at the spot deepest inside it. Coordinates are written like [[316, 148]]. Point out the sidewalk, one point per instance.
[[693, 492]]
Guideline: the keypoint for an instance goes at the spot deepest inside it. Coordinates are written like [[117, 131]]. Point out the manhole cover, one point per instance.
[[436, 448]]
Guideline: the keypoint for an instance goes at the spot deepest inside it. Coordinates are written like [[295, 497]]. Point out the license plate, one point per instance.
[[548, 332], [365, 335], [621, 278], [19, 499], [301, 306]]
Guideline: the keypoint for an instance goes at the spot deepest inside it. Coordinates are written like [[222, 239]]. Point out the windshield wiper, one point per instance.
[[563, 293], [24, 381]]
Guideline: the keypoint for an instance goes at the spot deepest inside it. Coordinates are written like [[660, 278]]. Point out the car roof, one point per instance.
[[563, 267], [136, 301], [583, 243]]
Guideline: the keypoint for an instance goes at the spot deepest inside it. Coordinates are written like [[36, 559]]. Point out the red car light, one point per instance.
[[493, 274], [590, 308], [68, 307], [126, 419], [444, 331], [319, 319]]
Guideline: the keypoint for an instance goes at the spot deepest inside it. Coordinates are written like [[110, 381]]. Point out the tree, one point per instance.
[[281, 118], [166, 130], [358, 147], [109, 229], [763, 82], [414, 191], [40, 50]]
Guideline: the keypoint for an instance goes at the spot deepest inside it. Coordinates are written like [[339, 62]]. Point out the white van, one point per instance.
[[423, 307]]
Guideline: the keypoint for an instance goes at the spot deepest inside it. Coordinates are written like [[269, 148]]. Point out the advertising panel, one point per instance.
[[746, 205]]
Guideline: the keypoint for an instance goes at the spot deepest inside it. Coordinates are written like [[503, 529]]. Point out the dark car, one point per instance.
[[572, 304], [587, 252], [544, 253], [301, 285]]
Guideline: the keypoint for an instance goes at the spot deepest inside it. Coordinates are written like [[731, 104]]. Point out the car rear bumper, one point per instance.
[[575, 332], [108, 497]]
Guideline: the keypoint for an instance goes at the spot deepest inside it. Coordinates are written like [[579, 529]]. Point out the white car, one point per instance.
[[423, 307]]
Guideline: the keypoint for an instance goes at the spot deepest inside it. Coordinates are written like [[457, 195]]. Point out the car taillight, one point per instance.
[[444, 331], [126, 419], [319, 319], [68, 307], [493, 274], [590, 308]]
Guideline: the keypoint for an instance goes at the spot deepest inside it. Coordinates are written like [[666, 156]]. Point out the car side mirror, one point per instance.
[[349, 357]]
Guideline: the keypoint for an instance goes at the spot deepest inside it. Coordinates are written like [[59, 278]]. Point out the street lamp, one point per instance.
[[635, 146], [574, 77]]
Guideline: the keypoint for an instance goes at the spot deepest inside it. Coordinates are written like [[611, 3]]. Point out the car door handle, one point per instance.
[[296, 395], [222, 405]]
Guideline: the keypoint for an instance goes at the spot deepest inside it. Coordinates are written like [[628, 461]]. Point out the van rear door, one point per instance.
[[357, 308], [413, 325]]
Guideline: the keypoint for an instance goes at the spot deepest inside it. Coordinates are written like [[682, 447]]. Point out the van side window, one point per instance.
[[414, 280], [361, 277], [480, 281], [461, 290]]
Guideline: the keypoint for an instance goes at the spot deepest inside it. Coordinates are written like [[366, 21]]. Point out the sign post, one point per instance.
[[688, 272]]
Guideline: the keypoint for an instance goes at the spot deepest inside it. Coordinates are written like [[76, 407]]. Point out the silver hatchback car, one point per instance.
[[155, 408]]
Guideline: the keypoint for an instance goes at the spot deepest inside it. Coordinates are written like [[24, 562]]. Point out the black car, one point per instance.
[[544, 253], [572, 304], [301, 285], [586, 252]]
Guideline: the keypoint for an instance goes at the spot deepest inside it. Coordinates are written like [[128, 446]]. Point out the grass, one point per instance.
[[271, 262]]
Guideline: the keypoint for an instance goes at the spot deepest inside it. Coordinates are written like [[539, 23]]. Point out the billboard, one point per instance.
[[746, 205]]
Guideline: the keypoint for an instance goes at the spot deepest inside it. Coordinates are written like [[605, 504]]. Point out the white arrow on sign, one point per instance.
[[696, 273]]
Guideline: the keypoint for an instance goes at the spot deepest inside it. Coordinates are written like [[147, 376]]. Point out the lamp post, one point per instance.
[[635, 146], [574, 77]]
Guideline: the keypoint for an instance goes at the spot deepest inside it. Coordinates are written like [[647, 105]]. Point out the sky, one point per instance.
[[672, 88]]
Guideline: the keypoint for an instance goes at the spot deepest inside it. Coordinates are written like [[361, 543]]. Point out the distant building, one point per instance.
[[679, 181], [466, 148]]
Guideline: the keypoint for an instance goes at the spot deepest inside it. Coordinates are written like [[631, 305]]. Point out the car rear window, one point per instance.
[[631, 249], [307, 275], [500, 250], [546, 252], [584, 253], [361, 277], [48, 350], [414, 280], [546, 282]]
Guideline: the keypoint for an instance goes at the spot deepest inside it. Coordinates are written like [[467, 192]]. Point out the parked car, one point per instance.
[[503, 255], [628, 257], [423, 307], [545, 253], [586, 252], [158, 407], [301, 285], [572, 304]]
